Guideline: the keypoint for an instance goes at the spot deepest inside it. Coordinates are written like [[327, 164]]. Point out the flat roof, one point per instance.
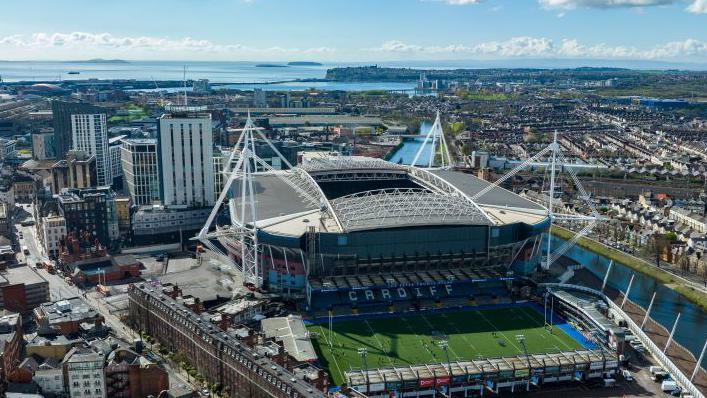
[[293, 334], [23, 274], [497, 196]]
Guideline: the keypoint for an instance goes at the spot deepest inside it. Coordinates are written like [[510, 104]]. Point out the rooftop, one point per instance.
[[293, 334], [71, 309], [363, 193]]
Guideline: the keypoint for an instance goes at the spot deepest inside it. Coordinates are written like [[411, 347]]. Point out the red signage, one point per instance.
[[427, 382], [442, 380]]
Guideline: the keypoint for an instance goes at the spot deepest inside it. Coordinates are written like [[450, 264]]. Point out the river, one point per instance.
[[406, 153], [692, 328]]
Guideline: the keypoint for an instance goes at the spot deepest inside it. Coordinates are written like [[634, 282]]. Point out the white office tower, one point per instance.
[[185, 151], [90, 134]]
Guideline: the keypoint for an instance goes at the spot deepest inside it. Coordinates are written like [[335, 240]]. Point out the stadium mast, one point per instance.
[[436, 134], [555, 153], [242, 233]]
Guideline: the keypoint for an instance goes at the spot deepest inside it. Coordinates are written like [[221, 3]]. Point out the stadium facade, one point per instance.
[[367, 222]]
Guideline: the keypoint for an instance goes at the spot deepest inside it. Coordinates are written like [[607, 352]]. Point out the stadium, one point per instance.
[[410, 280], [335, 225]]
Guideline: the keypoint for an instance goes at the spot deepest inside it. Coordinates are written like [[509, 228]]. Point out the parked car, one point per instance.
[[627, 375]]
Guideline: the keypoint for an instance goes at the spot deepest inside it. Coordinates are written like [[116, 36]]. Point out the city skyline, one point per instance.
[[361, 31]]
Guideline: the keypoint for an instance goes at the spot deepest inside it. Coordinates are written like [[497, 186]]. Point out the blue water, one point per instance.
[[338, 86], [692, 328], [406, 153], [224, 72], [247, 74]]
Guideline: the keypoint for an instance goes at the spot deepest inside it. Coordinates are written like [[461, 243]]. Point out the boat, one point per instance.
[[73, 72]]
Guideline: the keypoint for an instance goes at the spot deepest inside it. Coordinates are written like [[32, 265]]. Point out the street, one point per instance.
[[59, 289]]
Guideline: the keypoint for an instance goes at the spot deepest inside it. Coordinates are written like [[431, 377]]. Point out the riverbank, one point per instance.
[[679, 354], [682, 287]]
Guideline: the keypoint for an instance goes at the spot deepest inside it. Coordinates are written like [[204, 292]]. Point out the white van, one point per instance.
[[669, 386]]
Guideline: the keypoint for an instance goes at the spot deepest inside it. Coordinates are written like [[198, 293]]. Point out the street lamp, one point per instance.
[[363, 352], [444, 345], [520, 338]]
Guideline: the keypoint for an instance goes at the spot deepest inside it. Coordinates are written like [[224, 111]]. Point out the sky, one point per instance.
[[354, 30]]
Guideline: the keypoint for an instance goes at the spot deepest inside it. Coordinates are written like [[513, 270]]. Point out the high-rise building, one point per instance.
[[185, 154], [61, 116], [201, 86], [90, 134], [43, 146], [140, 171], [259, 98]]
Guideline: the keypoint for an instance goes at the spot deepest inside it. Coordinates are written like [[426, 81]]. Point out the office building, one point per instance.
[[155, 224], [43, 146], [90, 134], [185, 153], [61, 116], [85, 373], [140, 171]]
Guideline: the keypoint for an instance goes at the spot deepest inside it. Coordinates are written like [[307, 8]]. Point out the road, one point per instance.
[[60, 289]]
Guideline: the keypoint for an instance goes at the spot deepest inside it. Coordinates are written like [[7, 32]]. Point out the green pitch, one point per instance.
[[415, 339]]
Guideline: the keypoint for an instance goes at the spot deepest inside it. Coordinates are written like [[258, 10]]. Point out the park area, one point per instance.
[[402, 340]]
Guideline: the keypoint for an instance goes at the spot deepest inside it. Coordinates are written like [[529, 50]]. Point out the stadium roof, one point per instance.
[[288, 202]]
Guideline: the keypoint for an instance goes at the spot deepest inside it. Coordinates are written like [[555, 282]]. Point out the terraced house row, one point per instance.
[[220, 357]]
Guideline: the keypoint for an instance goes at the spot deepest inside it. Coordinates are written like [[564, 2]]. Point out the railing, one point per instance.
[[663, 359]]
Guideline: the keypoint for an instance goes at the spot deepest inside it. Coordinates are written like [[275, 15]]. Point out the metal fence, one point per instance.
[[663, 359]]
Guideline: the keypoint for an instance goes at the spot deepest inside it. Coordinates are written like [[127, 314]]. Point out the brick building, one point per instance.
[[22, 289], [129, 375], [217, 355], [105, 269], [66, 317], [10, 344]]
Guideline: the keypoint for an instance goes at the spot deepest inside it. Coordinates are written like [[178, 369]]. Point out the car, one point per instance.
[[627, 375]]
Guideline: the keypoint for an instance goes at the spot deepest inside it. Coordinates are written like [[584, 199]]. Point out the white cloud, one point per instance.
[[570, 4], [698, 7], [538, 47], [106, 44], [695, 6]]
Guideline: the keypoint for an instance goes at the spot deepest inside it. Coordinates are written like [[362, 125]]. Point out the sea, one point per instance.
[[241, 75]]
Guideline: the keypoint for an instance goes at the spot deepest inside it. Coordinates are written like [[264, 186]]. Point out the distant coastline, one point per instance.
[[99, 61], [304, 63], [270, 66]]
